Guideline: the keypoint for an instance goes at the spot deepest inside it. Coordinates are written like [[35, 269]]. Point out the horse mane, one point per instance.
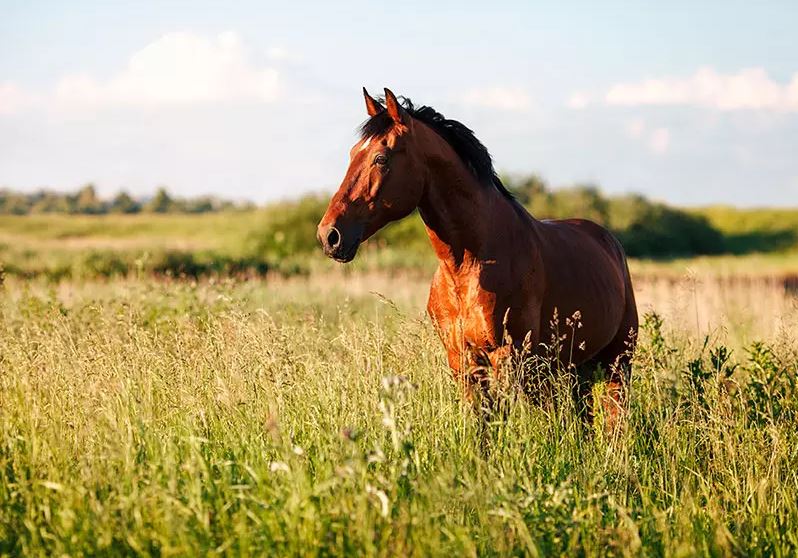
[[459, 136]]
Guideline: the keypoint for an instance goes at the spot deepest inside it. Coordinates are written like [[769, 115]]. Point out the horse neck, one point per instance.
[[467, 222]]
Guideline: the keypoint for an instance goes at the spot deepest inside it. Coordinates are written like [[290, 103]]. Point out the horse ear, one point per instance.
[[396, 111], [372, 106]]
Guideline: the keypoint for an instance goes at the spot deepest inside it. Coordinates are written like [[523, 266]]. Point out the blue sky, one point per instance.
[[689, 102]]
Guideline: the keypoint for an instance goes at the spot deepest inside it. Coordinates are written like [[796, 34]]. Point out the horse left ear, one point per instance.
[[395, 110], [372, 106]]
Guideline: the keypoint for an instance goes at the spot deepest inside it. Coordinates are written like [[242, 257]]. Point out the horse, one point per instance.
[[503, 277]]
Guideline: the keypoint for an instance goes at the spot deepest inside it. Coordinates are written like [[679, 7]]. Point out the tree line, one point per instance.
[[86, 201], [646, 228]]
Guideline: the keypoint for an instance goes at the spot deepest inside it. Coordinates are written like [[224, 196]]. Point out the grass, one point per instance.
[[755, 229], [308, 416], [310, 411]]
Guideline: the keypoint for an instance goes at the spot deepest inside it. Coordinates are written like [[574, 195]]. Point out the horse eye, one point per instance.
[[381, 159]]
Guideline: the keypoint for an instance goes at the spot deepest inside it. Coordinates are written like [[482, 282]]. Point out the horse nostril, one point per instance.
[[333, 238]]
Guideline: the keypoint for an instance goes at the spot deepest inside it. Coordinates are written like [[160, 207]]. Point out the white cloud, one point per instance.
[[13, 98], [178, 68], [502, 98], [579, 100], [635, 128], [659, 141], [750, 88], [282, 54]]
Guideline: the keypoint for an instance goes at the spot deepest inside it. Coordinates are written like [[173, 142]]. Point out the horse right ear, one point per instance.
[[394, 108], [372, 106]]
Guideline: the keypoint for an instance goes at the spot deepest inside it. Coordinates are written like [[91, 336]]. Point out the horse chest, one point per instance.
[[475, 315], [464, 315]]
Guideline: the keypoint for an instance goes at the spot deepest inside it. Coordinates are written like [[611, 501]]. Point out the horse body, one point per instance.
[[519, 279], [505, 280], [586, 272]]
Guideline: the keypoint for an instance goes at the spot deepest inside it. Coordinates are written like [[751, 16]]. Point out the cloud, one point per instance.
[[635, 128], [13, 99], [579, 100], [502, 98], [282, 54], [750, 88], [178, 68], [658, 140]]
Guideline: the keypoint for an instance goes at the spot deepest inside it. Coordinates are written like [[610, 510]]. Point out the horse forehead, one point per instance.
[[365, 143], [359, 156]]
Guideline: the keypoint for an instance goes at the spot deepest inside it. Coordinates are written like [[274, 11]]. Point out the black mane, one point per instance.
[[459, 136]]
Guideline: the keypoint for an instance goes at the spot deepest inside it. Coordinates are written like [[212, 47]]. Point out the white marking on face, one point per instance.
[[365, 144]]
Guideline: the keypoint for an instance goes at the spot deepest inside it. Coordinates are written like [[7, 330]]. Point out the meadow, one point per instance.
[[87, 239], [307, 409]]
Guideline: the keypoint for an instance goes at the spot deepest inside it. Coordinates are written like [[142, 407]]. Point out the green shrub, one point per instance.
[[654, 230]]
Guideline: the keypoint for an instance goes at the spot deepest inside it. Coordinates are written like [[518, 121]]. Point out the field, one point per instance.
[[312, 412], [280, 238]]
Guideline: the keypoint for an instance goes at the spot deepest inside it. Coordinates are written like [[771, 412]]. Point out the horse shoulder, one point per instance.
[[443, 309], [440, 306]]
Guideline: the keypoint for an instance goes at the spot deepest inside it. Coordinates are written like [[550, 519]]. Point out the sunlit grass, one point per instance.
[[311, 416]]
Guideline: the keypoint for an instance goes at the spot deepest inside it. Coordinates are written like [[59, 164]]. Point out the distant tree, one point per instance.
[[528, 188], [243, 206], [50, 202], [12, 203], [203, 204], [123, 203], [87, 201], [161, 202], [583, 201]]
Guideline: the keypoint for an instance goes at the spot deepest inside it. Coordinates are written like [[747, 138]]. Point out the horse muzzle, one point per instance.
[[338, 242]]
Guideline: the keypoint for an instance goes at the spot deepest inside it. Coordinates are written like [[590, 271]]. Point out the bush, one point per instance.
[[289, 229], [645, 228], [654, 230]]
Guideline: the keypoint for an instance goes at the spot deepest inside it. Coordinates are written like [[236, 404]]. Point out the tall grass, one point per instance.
[[311, 417]]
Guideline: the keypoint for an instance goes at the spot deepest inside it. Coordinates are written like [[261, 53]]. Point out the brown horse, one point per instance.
[[502, 274]]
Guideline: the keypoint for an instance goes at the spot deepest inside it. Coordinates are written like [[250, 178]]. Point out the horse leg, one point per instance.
[[485, 388], [616, 361], [475, 383], [583, 390], [485, 384], [474, 379]]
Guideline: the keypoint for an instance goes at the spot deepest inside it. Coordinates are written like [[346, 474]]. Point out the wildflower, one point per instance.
[[381, 496]]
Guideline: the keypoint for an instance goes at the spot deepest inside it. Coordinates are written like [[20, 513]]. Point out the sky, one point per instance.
[[692, 103]]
